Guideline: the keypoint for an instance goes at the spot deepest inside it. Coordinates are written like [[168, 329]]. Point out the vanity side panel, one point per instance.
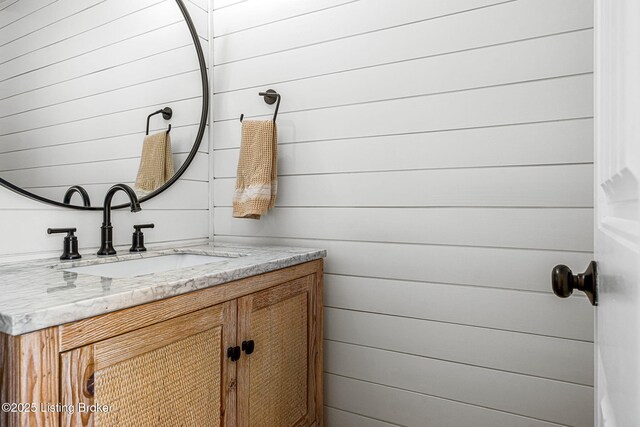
[[317, 343], [9, 366]]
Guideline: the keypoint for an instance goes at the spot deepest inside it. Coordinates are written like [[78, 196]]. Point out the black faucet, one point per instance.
[[80, 190], [106, 231]]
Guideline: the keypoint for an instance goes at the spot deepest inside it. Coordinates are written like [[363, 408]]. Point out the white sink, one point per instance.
[[142, 266]]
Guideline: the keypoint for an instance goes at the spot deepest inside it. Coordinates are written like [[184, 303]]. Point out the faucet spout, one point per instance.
[[106, 230], [86, 201]]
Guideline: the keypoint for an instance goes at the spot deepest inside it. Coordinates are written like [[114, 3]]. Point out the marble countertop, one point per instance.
[[40, 294]]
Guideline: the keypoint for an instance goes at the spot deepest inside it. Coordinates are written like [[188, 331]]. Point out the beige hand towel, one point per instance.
[[256, 183], [156, 163]]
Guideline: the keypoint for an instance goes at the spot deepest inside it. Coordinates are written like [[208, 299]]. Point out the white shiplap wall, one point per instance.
[[77, 80], [442, 152]]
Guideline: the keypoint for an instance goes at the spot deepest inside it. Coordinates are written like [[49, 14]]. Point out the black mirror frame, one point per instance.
[[188, 160]]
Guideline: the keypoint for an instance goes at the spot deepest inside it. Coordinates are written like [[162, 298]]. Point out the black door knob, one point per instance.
[[563, 282]]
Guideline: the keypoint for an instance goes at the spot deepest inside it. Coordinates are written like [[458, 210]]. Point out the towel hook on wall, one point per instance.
[[167, 113], [270, 96]]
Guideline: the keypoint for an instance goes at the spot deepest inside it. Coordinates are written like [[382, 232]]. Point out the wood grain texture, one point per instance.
[[39, 366], [97, 328], [76, 368], [135, 343], [9, 387], [229, 409]]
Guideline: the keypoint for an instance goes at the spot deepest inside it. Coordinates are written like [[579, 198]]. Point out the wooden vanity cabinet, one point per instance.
[[171, 362]]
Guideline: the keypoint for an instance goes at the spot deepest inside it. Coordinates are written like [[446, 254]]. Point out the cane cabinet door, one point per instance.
[[276, 375], [168, 374]]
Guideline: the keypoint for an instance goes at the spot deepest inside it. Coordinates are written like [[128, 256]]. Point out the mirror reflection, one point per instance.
[[78, 81]]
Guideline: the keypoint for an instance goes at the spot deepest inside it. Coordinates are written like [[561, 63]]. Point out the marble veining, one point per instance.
[[39, 294]]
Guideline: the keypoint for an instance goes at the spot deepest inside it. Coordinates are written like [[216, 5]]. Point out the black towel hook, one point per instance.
[[167, 113], [270, 96]]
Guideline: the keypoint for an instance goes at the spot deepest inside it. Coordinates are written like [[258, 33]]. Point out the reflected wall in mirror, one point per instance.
[[78, 80]]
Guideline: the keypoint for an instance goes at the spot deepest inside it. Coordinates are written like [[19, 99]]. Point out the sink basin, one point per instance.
[[142, 266]]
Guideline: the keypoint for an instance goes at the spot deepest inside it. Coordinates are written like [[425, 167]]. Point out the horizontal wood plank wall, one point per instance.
[[442, 152], [82, 106]]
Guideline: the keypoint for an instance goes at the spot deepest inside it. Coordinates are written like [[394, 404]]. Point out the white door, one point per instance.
[[617, 214]]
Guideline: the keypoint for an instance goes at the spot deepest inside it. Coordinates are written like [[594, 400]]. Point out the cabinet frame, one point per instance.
[[30, 364]]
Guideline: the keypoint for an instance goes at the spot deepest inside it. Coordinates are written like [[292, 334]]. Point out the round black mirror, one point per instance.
[[86, 91]]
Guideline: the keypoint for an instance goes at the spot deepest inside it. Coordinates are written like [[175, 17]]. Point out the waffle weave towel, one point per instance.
[[156, 163], [256, 182]]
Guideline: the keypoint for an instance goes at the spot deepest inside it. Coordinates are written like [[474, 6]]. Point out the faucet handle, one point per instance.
[[138, 227], [137, 240], [69, 231], [70, 245]]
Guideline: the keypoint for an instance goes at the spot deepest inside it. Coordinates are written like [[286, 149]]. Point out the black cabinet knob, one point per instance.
[[233, 353], [248, 346], [564, 282]]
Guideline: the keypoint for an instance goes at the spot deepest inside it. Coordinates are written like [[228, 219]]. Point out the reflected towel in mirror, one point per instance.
[[156, 163]]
